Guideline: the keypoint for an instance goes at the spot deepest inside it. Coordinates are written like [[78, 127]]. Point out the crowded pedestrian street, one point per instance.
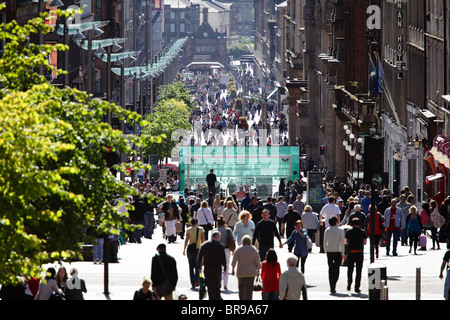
[[240, 155], [125, 277]]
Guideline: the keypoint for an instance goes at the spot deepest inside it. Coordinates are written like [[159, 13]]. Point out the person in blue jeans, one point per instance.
[[97, 249], [298, 236], [394, 221], [195, 236]]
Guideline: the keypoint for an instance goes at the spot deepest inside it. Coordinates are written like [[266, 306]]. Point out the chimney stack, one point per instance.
[[205, 15]]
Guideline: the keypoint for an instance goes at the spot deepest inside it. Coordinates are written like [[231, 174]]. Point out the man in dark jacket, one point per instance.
[[211, 180], [265, 230], [164, 267], [212, 257], [289, 220]]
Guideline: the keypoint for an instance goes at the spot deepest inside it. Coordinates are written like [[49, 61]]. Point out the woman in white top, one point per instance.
[[230, 198], [244, 227], [230, 215], [205, 218], [434, 216]]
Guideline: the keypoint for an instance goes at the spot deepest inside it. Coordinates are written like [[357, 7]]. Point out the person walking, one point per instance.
[[149, 217], [414, 228], [404, 206], [282, 208], [445, 268], [247, 263], [270, 276], [282, 187], [292, 282], [245, 226], [298, 238], [212, 257], [290, 219], [164, 274], [329, 210], [205, 218], [265, 230], [310, 221], [211, 180], [299, 205], [183, 216], [334, 247], [230, 215], [394, 221], [434, 215], [378, 229], [226, 235], [355, 239], [171, 212], [195, 236]]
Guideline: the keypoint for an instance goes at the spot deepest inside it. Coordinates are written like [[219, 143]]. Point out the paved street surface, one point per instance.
[[135, 259]]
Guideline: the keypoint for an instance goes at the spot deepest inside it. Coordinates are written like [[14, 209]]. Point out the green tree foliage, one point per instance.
[[54, 180], [169, 120], [177, 91], [239, 50]]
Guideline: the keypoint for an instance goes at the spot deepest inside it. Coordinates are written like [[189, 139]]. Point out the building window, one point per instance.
[[172, 15], [172, 27], [182, 27], [182, 15]]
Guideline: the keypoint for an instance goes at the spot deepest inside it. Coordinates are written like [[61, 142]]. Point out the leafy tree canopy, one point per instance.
[[170, 120], [54, 180]]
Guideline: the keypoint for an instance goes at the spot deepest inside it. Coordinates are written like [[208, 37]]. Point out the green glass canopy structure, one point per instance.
[[153, 69], [248, 168]]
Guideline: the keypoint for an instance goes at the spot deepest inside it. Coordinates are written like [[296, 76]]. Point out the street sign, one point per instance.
[[377, 179]]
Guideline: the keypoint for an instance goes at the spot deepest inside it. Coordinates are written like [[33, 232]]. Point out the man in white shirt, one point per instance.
[[330, 210], [334, 246]]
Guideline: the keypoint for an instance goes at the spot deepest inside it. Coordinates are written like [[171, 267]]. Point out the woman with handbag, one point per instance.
[[300, 237], [413, 228], [205, 218], [270, 276], [247, 264], [230, 215], [195, 236], [228, 242], [434, 216]]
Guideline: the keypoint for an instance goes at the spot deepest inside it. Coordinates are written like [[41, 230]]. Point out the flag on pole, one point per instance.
[[372, 76], [379, 80]]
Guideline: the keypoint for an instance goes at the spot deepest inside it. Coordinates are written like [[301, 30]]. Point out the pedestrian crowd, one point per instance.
[[243, 233], [232, 237], [218, 114]]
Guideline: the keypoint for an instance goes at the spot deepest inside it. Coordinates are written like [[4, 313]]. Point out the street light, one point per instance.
[[416, 143]]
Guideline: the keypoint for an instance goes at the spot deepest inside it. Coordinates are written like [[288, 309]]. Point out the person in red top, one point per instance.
[[379, 228], [270, 276]]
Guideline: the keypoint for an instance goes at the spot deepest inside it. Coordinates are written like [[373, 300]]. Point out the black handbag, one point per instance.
[[193, 247], [166, 287], [257, 286], [209, 225]]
